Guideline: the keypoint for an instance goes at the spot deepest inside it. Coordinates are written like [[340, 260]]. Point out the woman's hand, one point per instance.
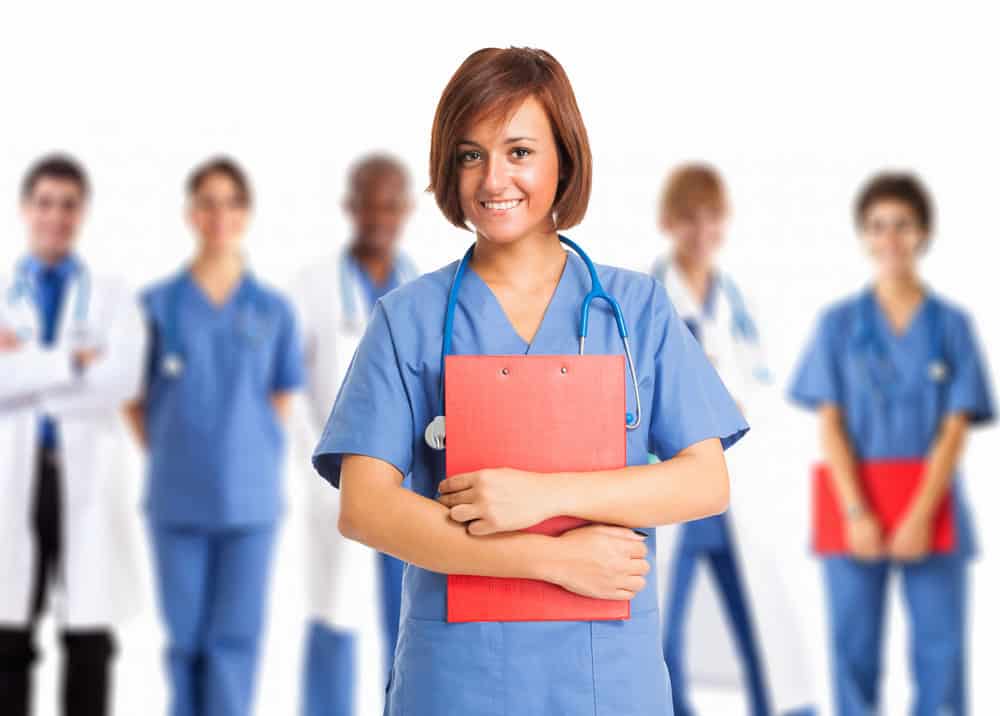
[[496, 500], [864, 537], [912, 538], [9, 340], [601, 561]]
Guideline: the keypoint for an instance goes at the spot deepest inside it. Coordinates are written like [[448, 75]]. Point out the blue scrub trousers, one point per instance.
[[331, 673], [213, 586], [934, 591], [710, 539]]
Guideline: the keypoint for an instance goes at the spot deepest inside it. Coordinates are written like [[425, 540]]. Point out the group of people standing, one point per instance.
[[204, 366]]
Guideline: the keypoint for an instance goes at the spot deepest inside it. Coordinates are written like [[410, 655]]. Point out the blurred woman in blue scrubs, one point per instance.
[[895, 373], [225, 358], [511, 161]]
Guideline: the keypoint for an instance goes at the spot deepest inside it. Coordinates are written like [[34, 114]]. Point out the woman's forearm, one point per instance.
[[376, 510], [839, 456], [135, 413], [691, 485], [940, 466]]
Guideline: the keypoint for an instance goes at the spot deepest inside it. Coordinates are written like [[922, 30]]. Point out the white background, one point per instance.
[[796, 103]]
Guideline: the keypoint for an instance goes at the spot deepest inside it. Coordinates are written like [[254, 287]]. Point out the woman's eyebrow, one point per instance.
[[514, 140]]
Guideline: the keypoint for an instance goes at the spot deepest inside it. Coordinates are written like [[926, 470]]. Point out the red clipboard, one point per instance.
[[889, 486], [538, 413]]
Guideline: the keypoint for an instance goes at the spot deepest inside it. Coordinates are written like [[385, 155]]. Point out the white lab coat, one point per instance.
[[343, 590], [101, 529], [711, 657]]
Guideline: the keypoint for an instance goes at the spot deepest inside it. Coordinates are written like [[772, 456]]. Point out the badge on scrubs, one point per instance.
[[172, 365], [937, 370]]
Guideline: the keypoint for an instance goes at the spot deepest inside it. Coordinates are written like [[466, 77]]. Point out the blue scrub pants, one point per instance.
[[213, 587], [934, 591], [710, 540], [331, 654]]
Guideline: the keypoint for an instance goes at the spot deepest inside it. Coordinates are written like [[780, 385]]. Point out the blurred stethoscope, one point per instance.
[[434, 434], [871, 348], [250, 311], [353, 319], [25, 290]]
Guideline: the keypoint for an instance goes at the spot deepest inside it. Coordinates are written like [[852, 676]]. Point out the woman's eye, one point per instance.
[[469, 156], [521, 152]]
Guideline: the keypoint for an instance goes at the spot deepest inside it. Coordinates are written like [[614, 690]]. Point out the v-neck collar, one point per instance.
[[885, 325], [512, 342], [203, 298]]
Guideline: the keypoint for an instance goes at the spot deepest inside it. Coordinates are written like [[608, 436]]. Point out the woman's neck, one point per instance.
[[218, 274], [523, 263], [697, 276], [899, 296]]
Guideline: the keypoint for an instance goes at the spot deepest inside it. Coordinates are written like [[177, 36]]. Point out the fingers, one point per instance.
[[456, 483], [638, 567], [630, 586], [465, 513], [462, 497]]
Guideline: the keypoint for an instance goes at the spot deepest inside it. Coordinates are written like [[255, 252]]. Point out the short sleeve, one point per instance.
[[817, 379], [289, 363], [969, 390], [372, 415], [690, 403]]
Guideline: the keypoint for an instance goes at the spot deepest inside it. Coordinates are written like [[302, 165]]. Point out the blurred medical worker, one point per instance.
[[224, 359], [895, 373], [334, 298], [510, 160], [71, 349], [724, 549]]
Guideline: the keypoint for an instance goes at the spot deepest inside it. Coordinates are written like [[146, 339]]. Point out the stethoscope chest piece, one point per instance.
[[172, 365], [434, 433], [937, 371]]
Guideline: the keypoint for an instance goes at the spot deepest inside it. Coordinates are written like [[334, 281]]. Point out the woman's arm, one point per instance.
[[864, 534], [599, 561], [135, 416], [912, 538], [691, 485]]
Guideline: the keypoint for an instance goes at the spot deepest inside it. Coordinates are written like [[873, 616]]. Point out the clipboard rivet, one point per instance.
[[564, 370], [505, 371]]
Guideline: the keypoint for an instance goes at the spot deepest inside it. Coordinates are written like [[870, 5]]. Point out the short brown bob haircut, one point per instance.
[[227, 167], [494, 82], [896, 186], [691, 187]]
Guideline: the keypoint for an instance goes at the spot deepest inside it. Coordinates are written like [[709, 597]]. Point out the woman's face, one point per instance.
[[894, 236], [697, 235], [508, 172], [219, 214]]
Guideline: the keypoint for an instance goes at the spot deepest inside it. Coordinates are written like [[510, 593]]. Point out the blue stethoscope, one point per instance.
[[172, 362], [873, 352], [351, 315], [25, 287], [434, 434]]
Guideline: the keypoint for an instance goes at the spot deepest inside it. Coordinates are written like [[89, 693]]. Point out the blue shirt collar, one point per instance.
[[64, 268]]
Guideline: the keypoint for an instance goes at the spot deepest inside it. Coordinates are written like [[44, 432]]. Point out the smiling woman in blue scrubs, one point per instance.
[[225, 357], [510, 160], [895, 374]]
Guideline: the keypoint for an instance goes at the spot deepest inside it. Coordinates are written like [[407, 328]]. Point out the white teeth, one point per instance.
[[501, 205]]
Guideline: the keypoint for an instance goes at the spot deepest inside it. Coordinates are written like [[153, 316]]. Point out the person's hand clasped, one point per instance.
[[603, 562], [911, 540], [9, 340], [85, 357], [495, 500], [864, 538]]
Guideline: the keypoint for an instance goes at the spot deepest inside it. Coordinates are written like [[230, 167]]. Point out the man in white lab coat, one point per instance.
[[350, 586], [71, 352]]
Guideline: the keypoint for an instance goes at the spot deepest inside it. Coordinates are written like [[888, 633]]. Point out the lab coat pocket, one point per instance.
[[444, 668], [630, 676]]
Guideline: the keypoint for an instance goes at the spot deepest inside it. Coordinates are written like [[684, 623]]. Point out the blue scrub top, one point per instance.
[[216, 444], [882, 382], [391, 391]]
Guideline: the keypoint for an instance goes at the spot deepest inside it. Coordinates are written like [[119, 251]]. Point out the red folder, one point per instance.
[[889, 486], [538, 413]]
